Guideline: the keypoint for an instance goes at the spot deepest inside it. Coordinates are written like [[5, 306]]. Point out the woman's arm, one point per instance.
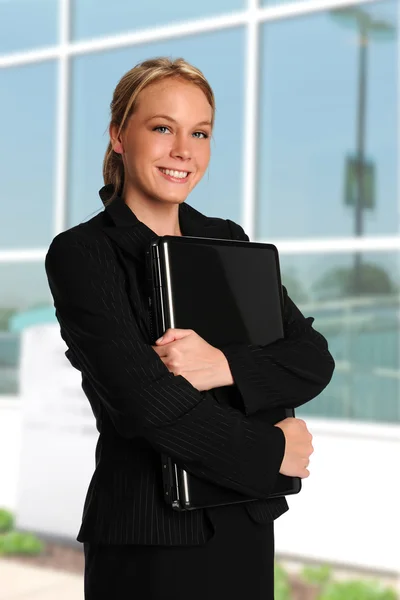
[[134, 386], [286, 373]]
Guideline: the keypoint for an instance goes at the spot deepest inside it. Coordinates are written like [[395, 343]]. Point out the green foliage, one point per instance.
[[6, 520], [282, 585], [340, 282], [15, 542], [317, 575], [357, 590], [344, 590]]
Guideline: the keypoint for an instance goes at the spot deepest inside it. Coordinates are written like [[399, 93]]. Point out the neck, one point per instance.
[[160, 217]]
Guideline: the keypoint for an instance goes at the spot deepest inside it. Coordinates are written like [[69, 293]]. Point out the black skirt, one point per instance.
[[236, 563]]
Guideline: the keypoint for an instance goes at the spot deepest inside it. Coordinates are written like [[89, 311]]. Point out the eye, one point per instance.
[[160, 127], [205, 135], [163, 129]]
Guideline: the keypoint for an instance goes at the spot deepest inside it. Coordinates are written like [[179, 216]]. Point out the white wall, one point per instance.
[[348, 510], [57, 453], [10, 450]]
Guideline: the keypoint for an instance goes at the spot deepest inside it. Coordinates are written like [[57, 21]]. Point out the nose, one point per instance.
[[181, 147]]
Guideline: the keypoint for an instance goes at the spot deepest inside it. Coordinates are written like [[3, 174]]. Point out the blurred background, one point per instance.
[[305, 155]]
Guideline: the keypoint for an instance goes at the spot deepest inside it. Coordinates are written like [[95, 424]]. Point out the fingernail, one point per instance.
[[160, 339]]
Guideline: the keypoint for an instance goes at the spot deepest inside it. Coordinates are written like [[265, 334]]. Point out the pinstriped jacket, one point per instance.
[[96, 274]]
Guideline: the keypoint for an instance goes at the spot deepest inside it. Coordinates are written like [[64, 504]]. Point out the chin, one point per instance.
[[173, 199]]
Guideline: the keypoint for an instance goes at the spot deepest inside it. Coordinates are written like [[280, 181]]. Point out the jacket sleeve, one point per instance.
[[140, 395], [286, 373]]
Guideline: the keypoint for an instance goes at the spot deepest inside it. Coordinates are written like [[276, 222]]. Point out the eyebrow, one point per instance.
[[174, 121]]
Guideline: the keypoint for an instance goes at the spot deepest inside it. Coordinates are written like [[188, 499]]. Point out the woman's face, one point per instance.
[[169, 130]]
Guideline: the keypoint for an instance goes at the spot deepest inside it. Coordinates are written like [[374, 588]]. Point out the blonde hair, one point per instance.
[[125, 99]]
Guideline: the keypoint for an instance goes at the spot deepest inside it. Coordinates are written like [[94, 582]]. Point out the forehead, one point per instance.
[[173, 96]]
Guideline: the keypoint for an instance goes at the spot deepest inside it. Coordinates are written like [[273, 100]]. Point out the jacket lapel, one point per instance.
[[132, 239], [133, 236]]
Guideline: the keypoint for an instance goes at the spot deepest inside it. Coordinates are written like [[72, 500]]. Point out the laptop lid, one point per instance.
[[227, 291]]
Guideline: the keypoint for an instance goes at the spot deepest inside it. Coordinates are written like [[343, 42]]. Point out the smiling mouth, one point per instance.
[[175, 175]]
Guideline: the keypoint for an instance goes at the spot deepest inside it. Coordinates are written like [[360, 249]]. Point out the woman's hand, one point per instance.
[[185, 353], [298, 447]]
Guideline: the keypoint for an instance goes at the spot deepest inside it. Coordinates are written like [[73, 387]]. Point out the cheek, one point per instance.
[[146, 150], [204, 159], [158, 147]]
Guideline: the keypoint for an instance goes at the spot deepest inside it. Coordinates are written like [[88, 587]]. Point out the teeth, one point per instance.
[[177, 174]]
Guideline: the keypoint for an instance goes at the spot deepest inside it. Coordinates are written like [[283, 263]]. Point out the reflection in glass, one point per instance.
[[362, 330], [24, 301], [93, 80], [328, 150], [27, 154], [28, 25], [92, 19]]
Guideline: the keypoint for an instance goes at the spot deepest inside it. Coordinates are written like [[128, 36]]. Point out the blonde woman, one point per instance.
[[150, 398]]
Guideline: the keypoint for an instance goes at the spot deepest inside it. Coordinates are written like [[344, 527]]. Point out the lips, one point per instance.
[[171, 171], [172, 178]]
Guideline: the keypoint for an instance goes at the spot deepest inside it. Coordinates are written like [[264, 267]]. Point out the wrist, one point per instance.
[[223, 371]]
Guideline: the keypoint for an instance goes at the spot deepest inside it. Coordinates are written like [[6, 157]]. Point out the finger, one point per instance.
[[173, 334], [166, 364], [162, 352]]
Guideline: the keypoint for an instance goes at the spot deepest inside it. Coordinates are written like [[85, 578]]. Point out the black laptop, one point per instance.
[[227, 291]]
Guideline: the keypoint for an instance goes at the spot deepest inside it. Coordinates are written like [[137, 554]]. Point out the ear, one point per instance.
[[115, 139]]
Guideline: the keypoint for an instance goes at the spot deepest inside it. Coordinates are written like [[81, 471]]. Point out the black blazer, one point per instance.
[[96, 273]]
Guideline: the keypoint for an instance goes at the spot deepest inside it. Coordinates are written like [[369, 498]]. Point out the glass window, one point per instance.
[[27, 154], [220, 56], [328, 125], [28, 24], [92, 18], [356, 304], [24, 300], [269, 2]]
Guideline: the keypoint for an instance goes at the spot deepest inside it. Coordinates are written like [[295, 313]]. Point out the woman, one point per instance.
[[151, 398]]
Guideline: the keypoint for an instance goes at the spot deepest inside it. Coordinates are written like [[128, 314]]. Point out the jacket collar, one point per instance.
[[134, 237]]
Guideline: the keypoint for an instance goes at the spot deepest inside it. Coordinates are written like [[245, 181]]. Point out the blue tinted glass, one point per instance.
[[269, 2], [24, 299], [310, 109], [102, 17], [361, 326], [27, 154], [220, 56], [27, 24]]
